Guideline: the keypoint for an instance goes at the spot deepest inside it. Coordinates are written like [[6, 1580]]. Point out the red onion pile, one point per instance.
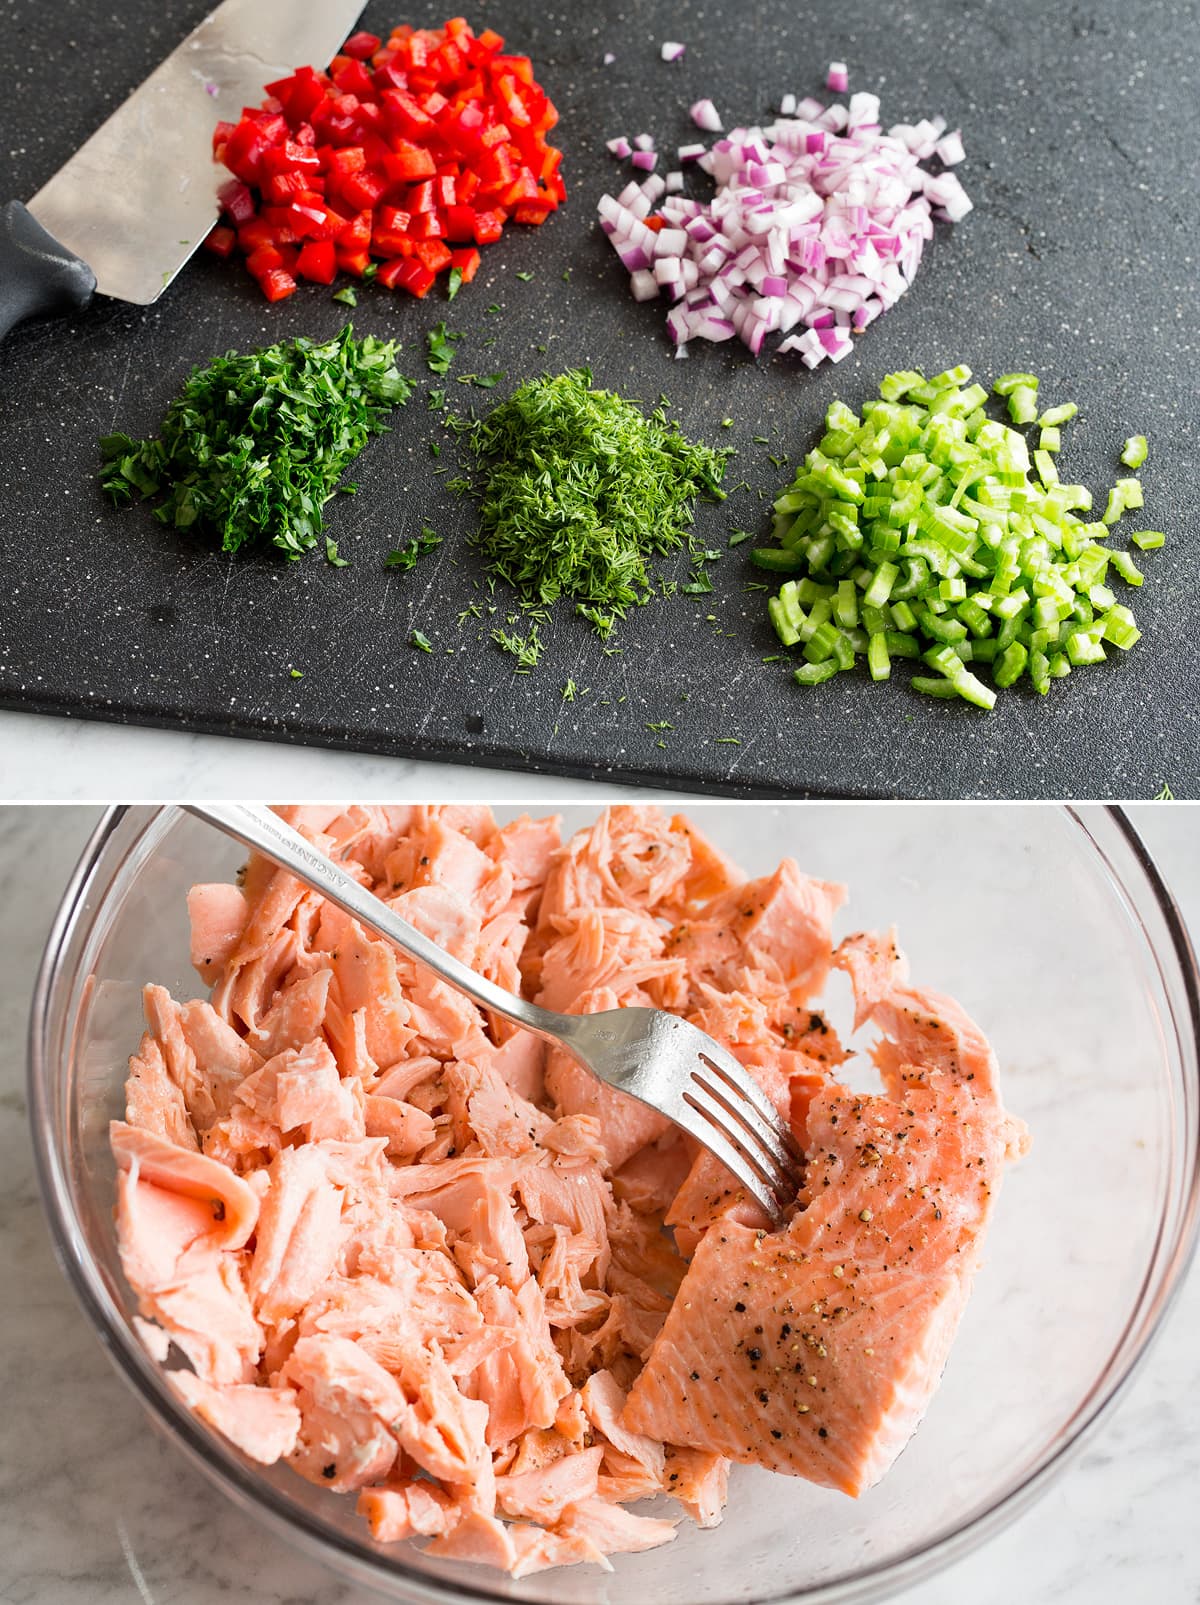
[[818, 220]]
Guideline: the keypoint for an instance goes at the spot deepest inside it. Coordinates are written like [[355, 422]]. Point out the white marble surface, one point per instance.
[[96, 1509], [84, 760]]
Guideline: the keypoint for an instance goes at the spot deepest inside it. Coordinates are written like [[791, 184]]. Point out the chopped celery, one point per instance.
[[922, 527], [1135, 451]]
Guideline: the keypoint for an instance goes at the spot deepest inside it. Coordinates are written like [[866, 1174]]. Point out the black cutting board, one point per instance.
[[1078, 261]]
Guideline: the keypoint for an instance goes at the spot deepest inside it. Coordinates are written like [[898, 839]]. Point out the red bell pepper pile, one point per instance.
[[415, 152]]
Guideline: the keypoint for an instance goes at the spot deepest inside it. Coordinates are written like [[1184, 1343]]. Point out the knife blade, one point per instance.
[[136, 200]]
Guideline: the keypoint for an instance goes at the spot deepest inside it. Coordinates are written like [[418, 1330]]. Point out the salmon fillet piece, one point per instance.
[[425, 1261], [815, 1350]]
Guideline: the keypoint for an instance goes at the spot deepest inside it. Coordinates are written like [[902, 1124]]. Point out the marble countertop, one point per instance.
[[97, 1509], [93, 762]]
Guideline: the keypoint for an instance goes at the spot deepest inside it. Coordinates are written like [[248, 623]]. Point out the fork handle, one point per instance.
[[266, 833]]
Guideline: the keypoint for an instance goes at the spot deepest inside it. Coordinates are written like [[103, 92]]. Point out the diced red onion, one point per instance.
[[644, 142], [620, 148], [672, 51], [837, 78], [819, 219], [705, 115], [949, 149]]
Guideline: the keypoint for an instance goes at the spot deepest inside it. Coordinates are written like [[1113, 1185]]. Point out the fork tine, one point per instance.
[[720, 1112], [744, 1084], [741, 1125], [708, 1129], [767, 1134]]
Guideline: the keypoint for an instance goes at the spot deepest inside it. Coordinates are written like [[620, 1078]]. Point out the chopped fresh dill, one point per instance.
[[527, 649], [579, 489]]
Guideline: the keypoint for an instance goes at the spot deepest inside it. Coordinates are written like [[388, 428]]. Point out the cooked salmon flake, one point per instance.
[[432, 1264]]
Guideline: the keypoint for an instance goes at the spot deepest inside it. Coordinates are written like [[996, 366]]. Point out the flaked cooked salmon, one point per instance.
[[406, 1249]]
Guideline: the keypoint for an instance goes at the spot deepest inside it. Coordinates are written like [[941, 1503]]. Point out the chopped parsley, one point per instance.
[[525, 277], [405, 558], [254, 444], [422, 642], [440, 343], [455, 284], [346, 296]]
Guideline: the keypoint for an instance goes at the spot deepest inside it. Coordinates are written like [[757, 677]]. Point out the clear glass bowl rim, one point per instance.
[[258, 1498]]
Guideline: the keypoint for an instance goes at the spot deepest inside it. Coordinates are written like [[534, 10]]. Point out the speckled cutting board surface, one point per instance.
[[1078, 262]]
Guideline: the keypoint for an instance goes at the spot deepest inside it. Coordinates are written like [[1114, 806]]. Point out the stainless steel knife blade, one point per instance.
[[137, 199]]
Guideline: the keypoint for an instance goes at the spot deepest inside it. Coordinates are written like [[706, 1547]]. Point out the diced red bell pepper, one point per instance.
[[527, 212], [362, 46], [352, 78], [408, 163], [355, 262], [404, 113], [317, 261], [237, 201], [420, 197], [390, 75], [365, 190], [414, 277], [243, 151], [459, 223], [277, 284], [433, 254], [221, 240], [256, 233], [467, 262], [356, 234], [443, 126], [489, 226], [346, 162], [281, 188], [265, 260]]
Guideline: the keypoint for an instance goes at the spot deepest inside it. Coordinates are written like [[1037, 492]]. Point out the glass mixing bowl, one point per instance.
[[1053, 929]]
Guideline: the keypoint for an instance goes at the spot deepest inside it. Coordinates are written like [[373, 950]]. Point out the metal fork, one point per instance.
[[655, 1057]]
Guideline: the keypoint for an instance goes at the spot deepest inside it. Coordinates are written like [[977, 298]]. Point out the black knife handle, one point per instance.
[[37, 274]]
